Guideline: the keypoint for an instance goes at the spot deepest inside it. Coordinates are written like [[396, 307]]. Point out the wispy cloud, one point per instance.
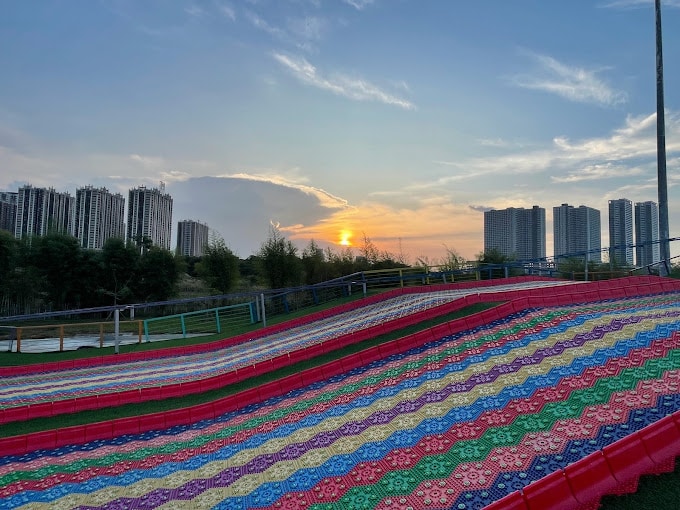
[[226, 10], [570, 82], [340, 84], [628, 151], [194, 11], [262, 24], [598, 172], [325, 198], [359, 4]]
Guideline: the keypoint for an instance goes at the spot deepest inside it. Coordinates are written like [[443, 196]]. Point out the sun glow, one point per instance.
[[345, 236]]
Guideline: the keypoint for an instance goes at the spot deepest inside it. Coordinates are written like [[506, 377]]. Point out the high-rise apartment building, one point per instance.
[[516, 232], [621, 232], [576, 232], [150, 216], [8, 210], [647, 250], [99, 215], [192, 238], [43, 210]]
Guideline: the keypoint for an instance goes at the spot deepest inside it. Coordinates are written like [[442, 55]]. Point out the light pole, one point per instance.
[[661, 145]]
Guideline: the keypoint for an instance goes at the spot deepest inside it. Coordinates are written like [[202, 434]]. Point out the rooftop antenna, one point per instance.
[[661, 145]]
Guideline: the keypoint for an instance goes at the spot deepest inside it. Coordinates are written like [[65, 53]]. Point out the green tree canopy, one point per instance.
[[219, 267], [280, 264]]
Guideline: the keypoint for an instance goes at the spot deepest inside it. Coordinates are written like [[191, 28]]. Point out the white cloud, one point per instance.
[[622, 153], [194, 11], [599, 171], [263, 25], [325, 198], [573, 83], [342, 85], [359, 4], [227, 10]]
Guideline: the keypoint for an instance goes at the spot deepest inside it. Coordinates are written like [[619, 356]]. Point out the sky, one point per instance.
[[399, 121]]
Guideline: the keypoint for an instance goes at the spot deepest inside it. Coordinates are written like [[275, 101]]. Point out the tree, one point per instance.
[[58, 259], [314, 264], [219, 267], [157, 275], [492, 264], [119, 266], [280, 264]]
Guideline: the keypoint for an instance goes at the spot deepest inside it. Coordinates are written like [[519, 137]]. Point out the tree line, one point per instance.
[[53, 272]]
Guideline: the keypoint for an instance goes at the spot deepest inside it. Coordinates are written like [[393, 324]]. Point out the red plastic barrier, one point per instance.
[[108, 400], [124, 426], [269, 390], [627, 458], [102, 430], [71, 435], [87, 403], [153, 393], [177, 417], [191, 387], [590, 478], [43, 440], [551, 492], [513, 501], [202, 412], [129, 397], [41, 410], [661, 440]]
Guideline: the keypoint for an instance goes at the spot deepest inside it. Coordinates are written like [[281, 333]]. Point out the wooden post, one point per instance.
[[19, 339], [61, 338], [101, 335]]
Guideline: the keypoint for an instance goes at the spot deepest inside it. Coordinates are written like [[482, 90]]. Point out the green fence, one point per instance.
[[203, 322]]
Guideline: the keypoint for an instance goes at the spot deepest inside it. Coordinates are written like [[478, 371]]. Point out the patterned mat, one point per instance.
[[18, 391], [457, 423]]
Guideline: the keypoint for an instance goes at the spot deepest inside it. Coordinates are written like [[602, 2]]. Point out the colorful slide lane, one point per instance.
[[50, 392], [459, 422]]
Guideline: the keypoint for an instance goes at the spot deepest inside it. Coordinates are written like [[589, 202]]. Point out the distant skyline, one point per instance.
[[401, 120]]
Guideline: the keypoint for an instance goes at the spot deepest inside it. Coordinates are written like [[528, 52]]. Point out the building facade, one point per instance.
[[516, 232], [150, 216], [99, 215], [8, 210], [647, 249], [43, 210], [192, 238], [576, 233], [621, 232]]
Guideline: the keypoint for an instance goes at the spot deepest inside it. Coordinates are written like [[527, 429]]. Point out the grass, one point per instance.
[[16, 359], [655, 492]]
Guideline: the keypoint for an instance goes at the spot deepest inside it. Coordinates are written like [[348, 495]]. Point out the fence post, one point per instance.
[[61, 338], [19, 339], [101, 335], [217, 320], [184, 327], [116, 330], [264, 316], [139, 331]]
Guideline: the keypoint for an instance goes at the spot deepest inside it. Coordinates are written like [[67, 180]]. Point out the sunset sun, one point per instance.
[[345, 236]]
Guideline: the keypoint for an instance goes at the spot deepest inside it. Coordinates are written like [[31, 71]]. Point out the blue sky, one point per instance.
[[400, 120]]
